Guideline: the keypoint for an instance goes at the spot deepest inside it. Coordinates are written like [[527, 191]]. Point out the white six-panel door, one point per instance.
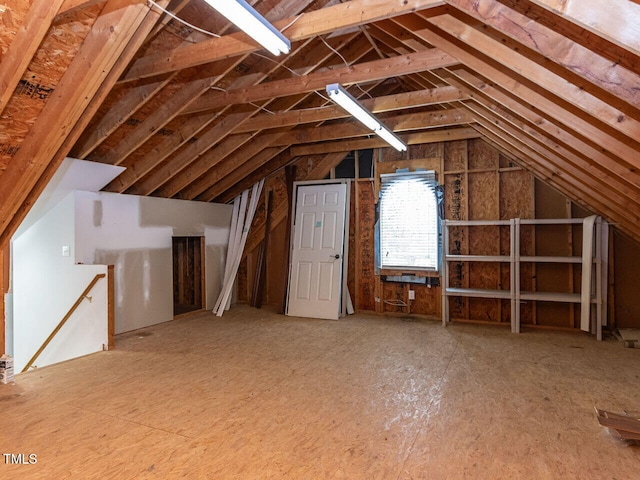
[[315, 279]]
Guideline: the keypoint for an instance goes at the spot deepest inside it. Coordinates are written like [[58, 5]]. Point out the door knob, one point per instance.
[[336, 256]]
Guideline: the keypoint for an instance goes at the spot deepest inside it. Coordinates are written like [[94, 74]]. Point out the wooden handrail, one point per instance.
[[64, 320]]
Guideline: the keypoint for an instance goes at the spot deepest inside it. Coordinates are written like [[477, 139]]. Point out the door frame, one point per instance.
[[203, 274], [345, 243]]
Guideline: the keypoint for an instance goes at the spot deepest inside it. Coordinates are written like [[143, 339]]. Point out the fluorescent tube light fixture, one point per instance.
[[343, 98], [253, 24]]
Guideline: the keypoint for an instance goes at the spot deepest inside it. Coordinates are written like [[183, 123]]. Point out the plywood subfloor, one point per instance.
[[257, 395]]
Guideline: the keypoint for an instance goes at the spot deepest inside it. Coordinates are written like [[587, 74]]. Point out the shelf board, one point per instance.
[[551, 221], [479, 258], [551, 259], [477, 292], [551, 297], [476, 223]]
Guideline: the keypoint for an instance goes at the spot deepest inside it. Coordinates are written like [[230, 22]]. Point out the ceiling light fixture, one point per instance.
[[253, 24], [343, 98]]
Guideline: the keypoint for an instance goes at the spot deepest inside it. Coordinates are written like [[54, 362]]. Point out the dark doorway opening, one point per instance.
[[188, 274]]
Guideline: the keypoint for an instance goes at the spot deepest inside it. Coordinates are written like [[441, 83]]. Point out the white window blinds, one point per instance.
[[409, 221]]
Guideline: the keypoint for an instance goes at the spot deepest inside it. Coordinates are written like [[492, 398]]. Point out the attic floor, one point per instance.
[[258, 395]]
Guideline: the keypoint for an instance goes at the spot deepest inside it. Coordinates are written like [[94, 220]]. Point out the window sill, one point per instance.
[[415, 273]]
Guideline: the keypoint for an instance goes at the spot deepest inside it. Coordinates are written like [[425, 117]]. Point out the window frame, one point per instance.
[[428, 177]]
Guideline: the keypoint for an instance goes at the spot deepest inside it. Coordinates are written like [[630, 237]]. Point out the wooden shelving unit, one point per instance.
[[593, 231]]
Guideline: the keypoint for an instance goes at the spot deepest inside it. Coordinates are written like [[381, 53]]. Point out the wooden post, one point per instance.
[[261, 267], [111, 313], [570, 266], [290, 174]]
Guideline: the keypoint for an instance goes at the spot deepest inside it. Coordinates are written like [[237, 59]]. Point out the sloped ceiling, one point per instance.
[[191, 107]]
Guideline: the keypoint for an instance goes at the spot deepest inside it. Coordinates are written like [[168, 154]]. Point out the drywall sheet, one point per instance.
[[46, 283], [134, 234]]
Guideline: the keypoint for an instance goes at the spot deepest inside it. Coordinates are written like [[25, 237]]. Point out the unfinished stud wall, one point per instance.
[[480, 183]]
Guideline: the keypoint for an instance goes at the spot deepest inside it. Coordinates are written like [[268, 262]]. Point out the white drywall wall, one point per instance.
[[46, 284], [135, 235], [73, 174]]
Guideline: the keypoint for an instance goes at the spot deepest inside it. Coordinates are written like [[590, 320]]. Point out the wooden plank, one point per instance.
[[100, 51], [192, 178], [591, 36], [376, 105], [311, 24], [363, 72], [262, 267], [562, 166], [156, 120], [267, 170], [590, 105], [570, 55], [353, 128], [540, 167], [445, 135], [132, 101], [573, 145], [456, 208], [71, 5], [619, 22], [236, 175], [511, 84], [183, 159], [365, 259], [28, 38]]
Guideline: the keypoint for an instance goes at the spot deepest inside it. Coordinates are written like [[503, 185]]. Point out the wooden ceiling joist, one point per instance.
[[446, 135], [353, 128], [176, 168], [388, 103], [237, 174], [309, 24], [363, 72], [141, 167], [271, 167]]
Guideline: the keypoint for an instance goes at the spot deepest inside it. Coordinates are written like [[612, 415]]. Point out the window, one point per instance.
[[409, 223]]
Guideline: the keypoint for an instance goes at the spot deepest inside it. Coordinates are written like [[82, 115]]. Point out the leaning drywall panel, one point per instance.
[[46, 283]]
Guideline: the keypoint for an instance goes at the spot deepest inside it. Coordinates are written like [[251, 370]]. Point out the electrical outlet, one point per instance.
[[412, 294]]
